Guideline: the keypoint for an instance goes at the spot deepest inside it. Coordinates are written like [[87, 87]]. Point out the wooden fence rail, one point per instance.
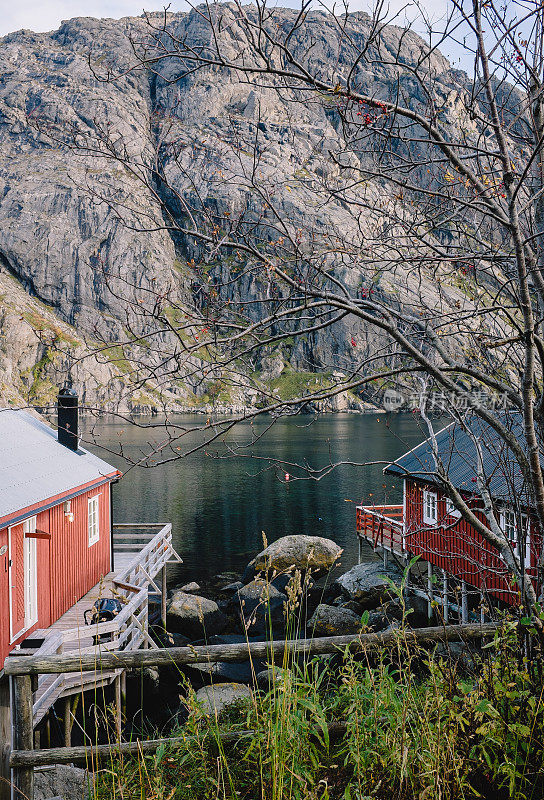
[[37, 665], [21, 669]]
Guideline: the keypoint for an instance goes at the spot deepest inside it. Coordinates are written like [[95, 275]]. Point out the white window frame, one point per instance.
[[508, 519], [451, 511], [30, 557], [509, 524], [93, 520], [430, 499]]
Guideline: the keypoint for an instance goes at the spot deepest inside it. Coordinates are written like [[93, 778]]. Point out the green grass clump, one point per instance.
[[417, 725], [292, 384]]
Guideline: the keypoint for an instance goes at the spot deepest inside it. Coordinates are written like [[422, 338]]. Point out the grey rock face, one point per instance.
[[296, 552], [63, 250], [220, 697], [368, 584], [194, 616], [333, 621]]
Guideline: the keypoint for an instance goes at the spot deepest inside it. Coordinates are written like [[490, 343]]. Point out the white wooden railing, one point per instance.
[[129, 630]]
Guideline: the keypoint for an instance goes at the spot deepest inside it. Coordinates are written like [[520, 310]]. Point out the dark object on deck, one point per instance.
[[103, 610]]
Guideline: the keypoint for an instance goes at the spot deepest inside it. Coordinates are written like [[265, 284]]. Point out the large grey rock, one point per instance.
[[232, 587], [296, 552], [333, 621], [63, 781], [194, 616], [257, 593], [368, 584], [220, 697], [258, 604]]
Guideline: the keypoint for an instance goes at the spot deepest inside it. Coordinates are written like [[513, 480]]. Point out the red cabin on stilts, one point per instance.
[[428, 525]]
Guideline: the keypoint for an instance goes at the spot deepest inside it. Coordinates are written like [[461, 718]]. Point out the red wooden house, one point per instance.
[[55, 520], [428, 525]]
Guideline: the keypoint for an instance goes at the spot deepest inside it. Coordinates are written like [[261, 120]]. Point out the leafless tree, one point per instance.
[[439, 177]]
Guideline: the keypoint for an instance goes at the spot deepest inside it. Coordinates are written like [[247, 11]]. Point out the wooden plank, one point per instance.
[[128, 586], [44, 698], [32, 665], [144, 525]]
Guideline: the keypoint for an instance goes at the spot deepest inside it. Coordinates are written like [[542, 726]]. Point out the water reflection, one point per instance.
[[220, 506]]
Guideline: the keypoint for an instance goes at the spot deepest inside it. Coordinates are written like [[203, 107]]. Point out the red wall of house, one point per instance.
[[4, 597], [457, 547], [76, 567], [66, 566]]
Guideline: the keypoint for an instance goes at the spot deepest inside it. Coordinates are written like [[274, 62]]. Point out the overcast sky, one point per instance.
[[46, 15]]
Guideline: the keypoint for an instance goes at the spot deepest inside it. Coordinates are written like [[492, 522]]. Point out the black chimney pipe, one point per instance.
[[67, 409]]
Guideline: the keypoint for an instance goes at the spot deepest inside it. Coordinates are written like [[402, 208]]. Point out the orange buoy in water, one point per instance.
[[287, 476]]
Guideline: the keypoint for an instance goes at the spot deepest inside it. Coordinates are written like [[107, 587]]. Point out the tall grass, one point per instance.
[[420, 725]]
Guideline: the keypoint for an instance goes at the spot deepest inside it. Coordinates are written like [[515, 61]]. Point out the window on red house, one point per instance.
[[93, 521], [451, 510], [430, 515], [509, 524]]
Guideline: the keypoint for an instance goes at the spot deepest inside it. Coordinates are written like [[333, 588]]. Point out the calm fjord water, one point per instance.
[[219, 507]]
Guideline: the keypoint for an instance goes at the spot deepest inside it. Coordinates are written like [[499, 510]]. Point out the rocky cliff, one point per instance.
[[58, 236]]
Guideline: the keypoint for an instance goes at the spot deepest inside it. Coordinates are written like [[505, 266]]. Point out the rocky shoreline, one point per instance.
[[295, 578]]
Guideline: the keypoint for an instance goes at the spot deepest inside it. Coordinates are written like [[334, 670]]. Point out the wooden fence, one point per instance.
[[21, 669]]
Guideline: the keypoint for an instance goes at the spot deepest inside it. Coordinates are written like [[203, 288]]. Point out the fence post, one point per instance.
[[22, 736], [464, 602], [430, 590], [5, 738], [445, 599], [118, 711], [163, 597], [67, 722]]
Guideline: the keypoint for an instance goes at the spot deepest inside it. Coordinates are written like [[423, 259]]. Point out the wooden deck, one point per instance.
[[382, 527], [141, 552]]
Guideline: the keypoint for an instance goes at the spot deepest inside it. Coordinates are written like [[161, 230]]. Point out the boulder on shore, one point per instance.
[[295, 552], [270, 677], [190, 587], [224, 671], [368, 584], [218, 698], [333, 621], [194, 616]]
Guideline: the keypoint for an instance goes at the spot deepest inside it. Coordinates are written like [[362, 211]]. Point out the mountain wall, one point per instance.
[[58, 236]]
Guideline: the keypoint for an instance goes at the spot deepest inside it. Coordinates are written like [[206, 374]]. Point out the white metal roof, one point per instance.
[[35, 468]]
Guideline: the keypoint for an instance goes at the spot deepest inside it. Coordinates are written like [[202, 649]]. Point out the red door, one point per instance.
[[4, 596], [17, 580]]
